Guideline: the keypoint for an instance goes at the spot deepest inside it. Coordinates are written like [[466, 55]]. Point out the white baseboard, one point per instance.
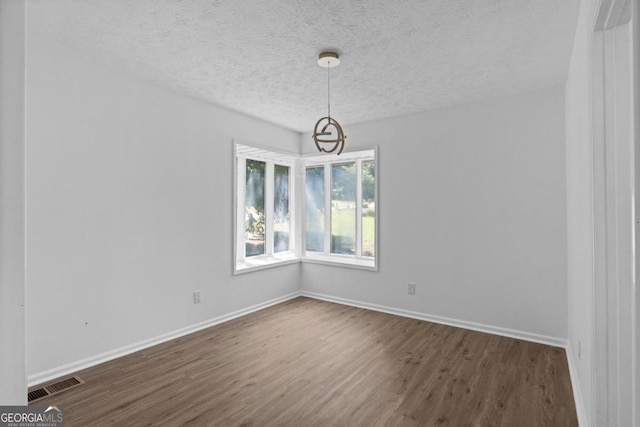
[[496, 330], [575, 385], [42, 377]]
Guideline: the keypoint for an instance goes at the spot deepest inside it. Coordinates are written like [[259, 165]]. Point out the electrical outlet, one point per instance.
[[197, 297], [411, 288]]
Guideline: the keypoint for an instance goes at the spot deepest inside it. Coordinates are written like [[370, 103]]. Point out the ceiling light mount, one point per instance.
[[327, 130], [328, 60]]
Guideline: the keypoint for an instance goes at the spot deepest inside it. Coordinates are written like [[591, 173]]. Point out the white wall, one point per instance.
[[580, 235], [636, 131], [600, 120], [12, 293], [129, 197], [472, 209]]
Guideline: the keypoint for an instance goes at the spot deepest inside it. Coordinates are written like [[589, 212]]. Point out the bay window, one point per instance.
[[334, 222]]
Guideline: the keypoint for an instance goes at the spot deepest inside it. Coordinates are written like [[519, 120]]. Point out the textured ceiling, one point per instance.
[[259, 57]]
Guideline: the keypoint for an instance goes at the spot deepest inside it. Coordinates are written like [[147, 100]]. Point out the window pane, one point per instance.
[[368, 209], [254, 209], [343, 208], [315, 209], [281, 209]]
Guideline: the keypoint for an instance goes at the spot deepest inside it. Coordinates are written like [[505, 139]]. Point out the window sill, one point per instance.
[[262, 262], [363, 263]]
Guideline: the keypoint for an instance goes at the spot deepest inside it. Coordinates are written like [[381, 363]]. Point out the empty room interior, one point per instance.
[[320, 213]]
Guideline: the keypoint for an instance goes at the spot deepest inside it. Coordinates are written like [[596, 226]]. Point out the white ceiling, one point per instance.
[[259, 57]]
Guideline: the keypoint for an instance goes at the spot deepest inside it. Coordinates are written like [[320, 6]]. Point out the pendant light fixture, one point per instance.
[[328, 131]]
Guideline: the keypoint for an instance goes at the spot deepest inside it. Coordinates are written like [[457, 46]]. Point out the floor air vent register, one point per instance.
[[54, 388]]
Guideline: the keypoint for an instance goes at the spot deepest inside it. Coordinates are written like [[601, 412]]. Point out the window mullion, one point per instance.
[[241, 197], [301, 209], [358, 208], [327, 208], [292, 209], [269, 195]]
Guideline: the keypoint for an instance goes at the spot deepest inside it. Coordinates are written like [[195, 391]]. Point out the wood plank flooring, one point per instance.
[[312, 363]]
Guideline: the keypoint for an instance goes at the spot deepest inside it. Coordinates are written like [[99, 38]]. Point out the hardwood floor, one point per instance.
[[312, 363]]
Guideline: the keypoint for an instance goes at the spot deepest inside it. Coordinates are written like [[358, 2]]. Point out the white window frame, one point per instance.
[[326, 257], [297, 203], [270, 157]]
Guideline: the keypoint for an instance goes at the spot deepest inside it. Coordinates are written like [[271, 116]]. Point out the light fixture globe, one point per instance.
[[328, 131]]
